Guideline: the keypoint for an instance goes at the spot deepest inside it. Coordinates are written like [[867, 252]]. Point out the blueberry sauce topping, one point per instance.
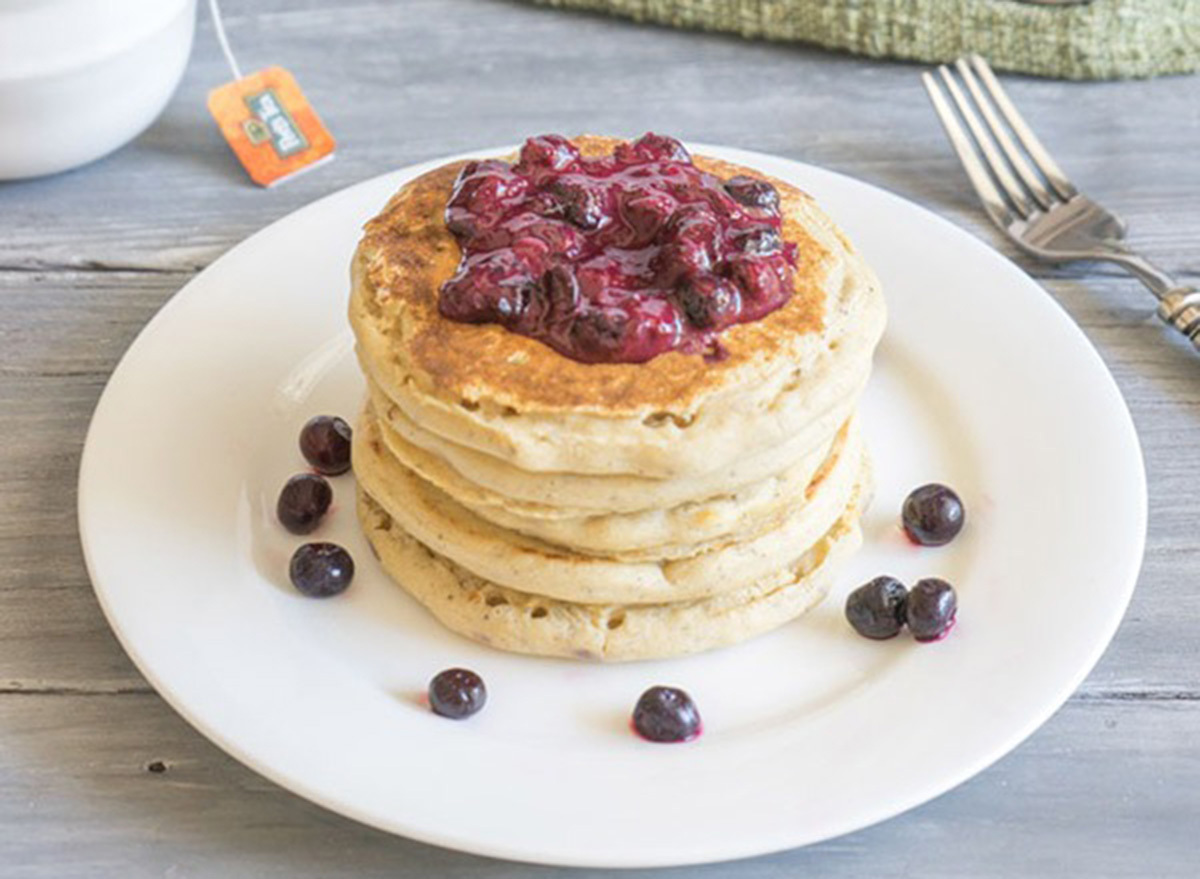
[[614, 259], [457, 693], [666, 714]]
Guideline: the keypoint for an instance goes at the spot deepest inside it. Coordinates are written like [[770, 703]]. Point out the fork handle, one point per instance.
[[1180, 308]]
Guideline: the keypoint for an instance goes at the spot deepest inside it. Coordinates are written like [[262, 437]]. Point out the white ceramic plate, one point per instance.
[[982, 382]]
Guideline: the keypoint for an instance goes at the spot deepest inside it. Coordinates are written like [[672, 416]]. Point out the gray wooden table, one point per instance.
[[98, 777]]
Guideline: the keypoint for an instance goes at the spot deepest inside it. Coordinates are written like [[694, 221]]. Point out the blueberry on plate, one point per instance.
[[930, 609], [666, 714], [304, 500], [321, 570], [933, 515], [325, 443], [457, 693], [876, 609]]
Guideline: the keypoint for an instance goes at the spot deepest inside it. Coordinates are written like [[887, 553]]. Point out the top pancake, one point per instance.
[[410, 349]]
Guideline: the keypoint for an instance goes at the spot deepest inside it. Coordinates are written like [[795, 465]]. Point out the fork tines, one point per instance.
[[1036, 206], [1010, 189]]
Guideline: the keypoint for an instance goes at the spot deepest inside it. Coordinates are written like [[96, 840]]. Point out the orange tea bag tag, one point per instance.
[[267, 121], [270, 126]]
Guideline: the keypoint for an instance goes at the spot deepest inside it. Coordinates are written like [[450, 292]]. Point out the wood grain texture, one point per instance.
[[81, 799], [1110, 787]]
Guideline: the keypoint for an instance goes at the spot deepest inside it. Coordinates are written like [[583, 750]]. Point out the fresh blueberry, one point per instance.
[[457, 693], [304, 500], [666, 714], [930, 609], [320, 570], [933, 514], [876, 609], [753, 193], [325, 443]]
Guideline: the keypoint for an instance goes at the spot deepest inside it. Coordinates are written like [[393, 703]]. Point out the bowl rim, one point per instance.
[[147, 18]]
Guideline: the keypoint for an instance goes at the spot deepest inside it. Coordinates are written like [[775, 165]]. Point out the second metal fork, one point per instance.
[[1041, 211]]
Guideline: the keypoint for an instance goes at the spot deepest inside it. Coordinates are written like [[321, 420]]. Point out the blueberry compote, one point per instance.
[[614, 259]]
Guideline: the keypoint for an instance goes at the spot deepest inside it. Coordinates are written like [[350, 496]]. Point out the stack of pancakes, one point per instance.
[[609, 511]]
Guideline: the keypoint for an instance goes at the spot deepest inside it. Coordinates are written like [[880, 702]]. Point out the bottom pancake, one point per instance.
[[524, 623]]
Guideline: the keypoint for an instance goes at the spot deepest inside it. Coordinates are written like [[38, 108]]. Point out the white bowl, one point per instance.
[[79, 78]]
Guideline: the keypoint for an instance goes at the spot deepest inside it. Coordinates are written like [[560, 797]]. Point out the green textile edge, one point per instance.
[[1103, 39]]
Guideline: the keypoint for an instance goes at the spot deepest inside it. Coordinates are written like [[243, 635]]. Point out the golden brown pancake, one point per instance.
[[407, 253]]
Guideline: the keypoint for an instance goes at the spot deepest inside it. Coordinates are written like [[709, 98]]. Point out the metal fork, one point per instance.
[[1042, 211]]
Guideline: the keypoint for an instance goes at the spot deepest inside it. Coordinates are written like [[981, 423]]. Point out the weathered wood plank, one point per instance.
[[403, 83], [1104, 789], [1108, 788], [60, 337]]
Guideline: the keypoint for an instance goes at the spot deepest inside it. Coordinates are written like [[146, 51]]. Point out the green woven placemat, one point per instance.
[[1103, 39]]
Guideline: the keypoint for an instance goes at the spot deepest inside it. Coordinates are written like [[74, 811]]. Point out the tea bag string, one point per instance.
[[219, 29]]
